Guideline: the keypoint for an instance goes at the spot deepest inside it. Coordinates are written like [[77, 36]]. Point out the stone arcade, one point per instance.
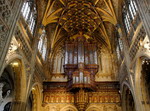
[[74, 55]]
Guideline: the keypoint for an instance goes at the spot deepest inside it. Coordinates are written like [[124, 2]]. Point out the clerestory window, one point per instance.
[[129, 14], [29, 14]]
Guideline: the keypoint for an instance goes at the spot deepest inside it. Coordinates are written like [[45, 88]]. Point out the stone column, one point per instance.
[[18, 106], [8, 18]]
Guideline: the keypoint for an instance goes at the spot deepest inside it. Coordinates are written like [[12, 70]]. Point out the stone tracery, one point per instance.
[[71, 77]]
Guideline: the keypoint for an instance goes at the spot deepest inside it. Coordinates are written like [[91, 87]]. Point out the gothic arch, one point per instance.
[[18, 76], [14, 57], [10, 57], [68, 108], [128, 101], [94, 108], [125, 83], [143, 54], [48, 107], [6, 89], [140, 84], [36, 93]]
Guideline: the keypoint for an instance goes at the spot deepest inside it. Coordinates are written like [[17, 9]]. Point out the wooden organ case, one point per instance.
[[81, 89], [81, 62]]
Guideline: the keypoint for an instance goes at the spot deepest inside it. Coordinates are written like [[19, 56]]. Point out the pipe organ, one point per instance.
[[80, 51], [80, 62]]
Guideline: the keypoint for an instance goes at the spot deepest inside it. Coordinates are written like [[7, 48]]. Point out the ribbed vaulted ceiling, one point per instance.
[[95, 18], [79, 16]]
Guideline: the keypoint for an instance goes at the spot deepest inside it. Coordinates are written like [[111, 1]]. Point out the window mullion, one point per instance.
[[133, 8], [134, 5], [126, 25], [128, 21], [25, 9], [131, 11], [27, 12]]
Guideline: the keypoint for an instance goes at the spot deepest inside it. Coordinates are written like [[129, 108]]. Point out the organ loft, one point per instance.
[[74, 55], [81, 67]]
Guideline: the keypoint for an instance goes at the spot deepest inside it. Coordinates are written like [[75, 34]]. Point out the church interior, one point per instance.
[[74, 55]]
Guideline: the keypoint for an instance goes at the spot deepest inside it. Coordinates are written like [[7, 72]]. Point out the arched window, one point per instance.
[[29, 14], [145, 79], [42, 45], [129, 13]]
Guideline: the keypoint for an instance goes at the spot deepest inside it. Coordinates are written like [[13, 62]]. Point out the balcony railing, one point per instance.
[[136, 44], [24, 45]]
